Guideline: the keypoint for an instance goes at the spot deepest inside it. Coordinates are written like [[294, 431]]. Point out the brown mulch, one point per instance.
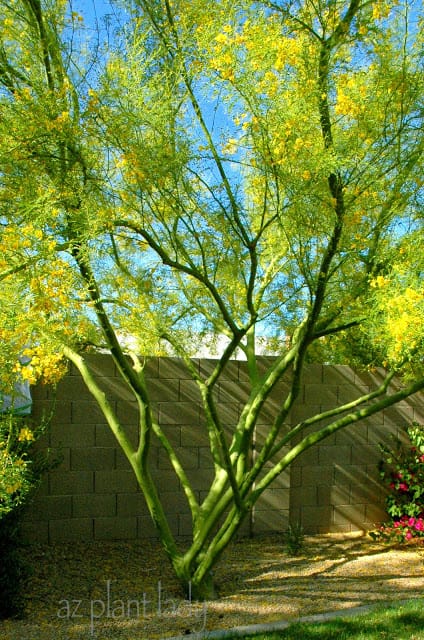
[[126, 590]]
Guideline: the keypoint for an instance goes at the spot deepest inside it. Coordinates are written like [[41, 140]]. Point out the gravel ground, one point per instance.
[[126, 591]]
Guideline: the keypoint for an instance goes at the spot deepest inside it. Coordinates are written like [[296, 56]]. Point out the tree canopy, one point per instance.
[[192, 169]]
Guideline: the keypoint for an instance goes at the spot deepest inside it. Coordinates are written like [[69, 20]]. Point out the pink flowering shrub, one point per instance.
[[402, 470]]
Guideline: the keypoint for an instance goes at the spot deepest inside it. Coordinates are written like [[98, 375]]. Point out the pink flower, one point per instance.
[[403, 486], [408, 535], [419, 525], [411, 522], [421, 458]]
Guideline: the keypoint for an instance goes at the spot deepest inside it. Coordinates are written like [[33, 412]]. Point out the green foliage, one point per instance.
[[294, 539], [21, 467], [21, 470], [402, 471]]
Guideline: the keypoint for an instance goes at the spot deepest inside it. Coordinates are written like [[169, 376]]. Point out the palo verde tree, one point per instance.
[[232, 168]]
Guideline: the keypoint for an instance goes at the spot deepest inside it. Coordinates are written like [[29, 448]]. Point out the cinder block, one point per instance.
[[416, 400], [271, 520], [305, 496], [178, 413], [348, 473], [202, 478], [127, 412], [371, 379], [310, 457], [72, 387], [233, 391], [375, 514], [274, 499], [301, 412], [283, 480], [231, 371], [334, 495], [369, 492], [353, 435], [174, 502], [165, 479], [102, 365], [117, 389], [381, 434], [93, 505], [229, 413], [72, 435], [164, 390], [116, 481], [270, 411], [39, 393], [78, 529], [188, 456], [174, 368], [184, 525], [313, 519], [146, 529], [44, 487], [194, 436], [115, 528], [349, 392], [49, 508], [295, 475], [350, 514], [365, 454], [57, 413], [338, 374], [71, 482], [418, 414], [151, 368], [104, 436], [92, 458], [322, 395], [59, 457], [87, 412], [398, 415], [328, 455], [122, 462], [338, 528], [313, 374], [188, 392], [35, 531], [131, 504], [312, 476]]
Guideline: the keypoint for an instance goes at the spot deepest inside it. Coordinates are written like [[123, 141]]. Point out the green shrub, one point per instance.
[[21, 469], [294, 539], [402, 471]]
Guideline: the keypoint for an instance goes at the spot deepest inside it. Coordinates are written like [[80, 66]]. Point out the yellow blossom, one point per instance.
[[25, 435]]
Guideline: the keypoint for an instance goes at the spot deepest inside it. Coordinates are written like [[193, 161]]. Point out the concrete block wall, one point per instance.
[[93, 494], [335, 486]]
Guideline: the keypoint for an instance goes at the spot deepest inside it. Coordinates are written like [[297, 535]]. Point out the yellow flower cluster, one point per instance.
[[25, 435], [12, 488], [346, 105], [405, 320], [47, 367]]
